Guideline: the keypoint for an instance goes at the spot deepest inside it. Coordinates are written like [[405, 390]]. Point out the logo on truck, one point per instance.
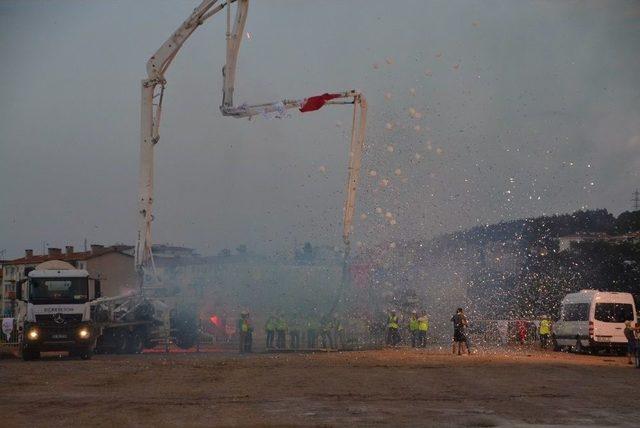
[[58, 318]]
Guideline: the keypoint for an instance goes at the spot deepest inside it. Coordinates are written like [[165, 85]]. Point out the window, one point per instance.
[[575, 312], [614, 312], [59, 290]]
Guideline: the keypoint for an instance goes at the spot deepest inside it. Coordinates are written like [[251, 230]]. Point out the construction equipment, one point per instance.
[[60, 308], [151, 110]]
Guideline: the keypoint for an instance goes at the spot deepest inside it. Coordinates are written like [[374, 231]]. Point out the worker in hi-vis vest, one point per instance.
[[393, 336], [413, 328], [423, 326], [281, 331], [245, 332], [270, 330], [545, 332]]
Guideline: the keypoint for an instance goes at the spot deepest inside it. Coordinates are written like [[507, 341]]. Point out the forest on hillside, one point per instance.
[[513, 269]]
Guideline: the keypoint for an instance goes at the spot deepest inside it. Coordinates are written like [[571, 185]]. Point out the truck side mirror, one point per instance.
[[97, 291]]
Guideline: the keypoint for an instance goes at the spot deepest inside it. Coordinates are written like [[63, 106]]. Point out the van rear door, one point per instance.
[[608, 322], [574, 322]]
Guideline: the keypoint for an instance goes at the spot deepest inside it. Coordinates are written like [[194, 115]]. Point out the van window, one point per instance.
[[575, 312], [614, 312]]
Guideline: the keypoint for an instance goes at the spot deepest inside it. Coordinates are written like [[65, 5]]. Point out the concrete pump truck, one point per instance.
[[60, 307]]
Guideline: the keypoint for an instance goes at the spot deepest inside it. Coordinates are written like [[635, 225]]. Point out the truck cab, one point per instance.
[[54, 312]]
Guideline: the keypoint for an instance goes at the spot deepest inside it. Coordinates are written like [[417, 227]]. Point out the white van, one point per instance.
[[593, 320]]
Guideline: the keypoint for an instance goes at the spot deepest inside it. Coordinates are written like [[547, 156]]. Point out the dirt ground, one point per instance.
[[398, 387]]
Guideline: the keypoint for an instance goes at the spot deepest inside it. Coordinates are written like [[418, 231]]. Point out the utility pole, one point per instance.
[[636, 200]]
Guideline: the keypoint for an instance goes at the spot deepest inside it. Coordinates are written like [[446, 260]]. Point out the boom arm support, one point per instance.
[[151, 109]]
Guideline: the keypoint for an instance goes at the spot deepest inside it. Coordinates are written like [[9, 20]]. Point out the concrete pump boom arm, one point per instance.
[[153, 89], [150, 115]]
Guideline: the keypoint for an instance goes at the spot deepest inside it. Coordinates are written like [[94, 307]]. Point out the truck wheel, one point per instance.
[[29, 354], [134, 343], [185, 341], [120, 343], [86, 355]]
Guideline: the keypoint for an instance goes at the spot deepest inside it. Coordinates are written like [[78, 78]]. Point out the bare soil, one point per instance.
[[398, 387]]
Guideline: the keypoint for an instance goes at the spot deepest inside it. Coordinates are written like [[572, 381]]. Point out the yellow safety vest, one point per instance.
[[413, 324], [545, 327], [393, 322], [423, 324]]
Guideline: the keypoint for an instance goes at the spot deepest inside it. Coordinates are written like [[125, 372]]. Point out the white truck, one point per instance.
[[53, 311], [60, 309], [593, 320]]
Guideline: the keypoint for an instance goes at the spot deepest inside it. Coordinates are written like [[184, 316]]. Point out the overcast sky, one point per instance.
[[527, 107]]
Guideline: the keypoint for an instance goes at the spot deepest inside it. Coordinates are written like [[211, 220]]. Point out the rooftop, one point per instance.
[[67, 256]]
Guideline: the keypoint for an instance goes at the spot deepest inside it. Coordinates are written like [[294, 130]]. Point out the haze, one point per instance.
[[528, 108]]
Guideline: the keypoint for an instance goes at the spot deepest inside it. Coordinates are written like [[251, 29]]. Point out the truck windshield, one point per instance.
[[614, 312], [59, 290]]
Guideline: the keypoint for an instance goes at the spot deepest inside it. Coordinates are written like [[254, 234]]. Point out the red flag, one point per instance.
[[315, 103]]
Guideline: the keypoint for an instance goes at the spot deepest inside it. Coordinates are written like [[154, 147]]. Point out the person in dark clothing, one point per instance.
[[460, 340], [630, 334]]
